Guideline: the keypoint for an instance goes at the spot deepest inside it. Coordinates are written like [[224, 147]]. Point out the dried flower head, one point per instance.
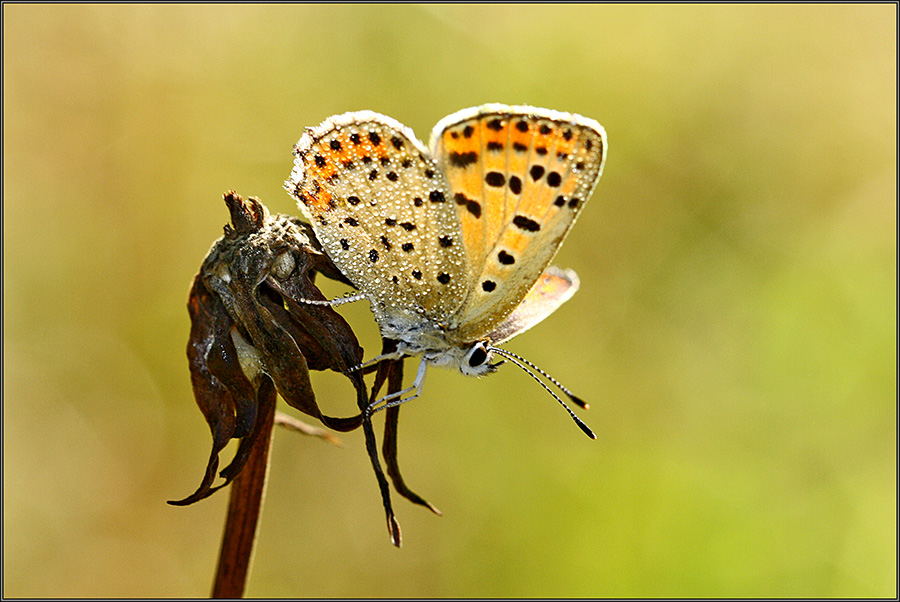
[[252, 336]]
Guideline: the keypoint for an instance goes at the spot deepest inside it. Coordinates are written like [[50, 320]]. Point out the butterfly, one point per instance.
[[451, 243]]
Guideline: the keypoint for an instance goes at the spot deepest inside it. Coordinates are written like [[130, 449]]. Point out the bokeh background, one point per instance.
[[735, 331]]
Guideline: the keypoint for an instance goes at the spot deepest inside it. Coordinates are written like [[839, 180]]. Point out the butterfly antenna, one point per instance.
[[575, 399], [521, 363]]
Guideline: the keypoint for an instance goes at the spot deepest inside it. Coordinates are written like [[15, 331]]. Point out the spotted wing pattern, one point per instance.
[[518, 177], [382, 209]]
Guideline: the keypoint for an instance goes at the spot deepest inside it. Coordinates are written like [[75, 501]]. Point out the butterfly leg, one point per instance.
[[396, 355], [350, 298], [395, 399]]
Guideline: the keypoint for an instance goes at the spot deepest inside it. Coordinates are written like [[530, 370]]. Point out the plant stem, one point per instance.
[[244, 507]]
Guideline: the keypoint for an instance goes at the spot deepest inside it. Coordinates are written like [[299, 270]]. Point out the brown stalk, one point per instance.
[[242, 520]]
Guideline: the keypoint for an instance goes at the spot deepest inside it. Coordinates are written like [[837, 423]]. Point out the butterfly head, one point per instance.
[[472, 360], [477, 360]]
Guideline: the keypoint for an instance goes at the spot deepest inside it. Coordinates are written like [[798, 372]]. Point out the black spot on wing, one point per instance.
[[462, 159], [526, 223], [495, 179], [473, 207]]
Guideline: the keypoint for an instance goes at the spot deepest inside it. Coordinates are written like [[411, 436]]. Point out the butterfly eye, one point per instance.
[[478, 355]]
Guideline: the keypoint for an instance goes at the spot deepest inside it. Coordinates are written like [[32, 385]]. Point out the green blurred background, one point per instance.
[[735, 330]]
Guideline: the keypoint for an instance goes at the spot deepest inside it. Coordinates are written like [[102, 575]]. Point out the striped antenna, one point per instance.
[[521, 363]]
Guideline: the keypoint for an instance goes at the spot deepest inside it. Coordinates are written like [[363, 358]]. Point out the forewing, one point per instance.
[[519, 177], [553, 288], [382, 210]]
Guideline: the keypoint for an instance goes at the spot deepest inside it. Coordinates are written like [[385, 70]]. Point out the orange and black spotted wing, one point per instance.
[[518, 177]]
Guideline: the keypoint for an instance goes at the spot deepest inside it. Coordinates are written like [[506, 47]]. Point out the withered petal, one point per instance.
[[247, 216], [214, 400], [324, 325], [222, 361], [392, 371], [205, 489], [372, 449], [266, 402], [288, 333]]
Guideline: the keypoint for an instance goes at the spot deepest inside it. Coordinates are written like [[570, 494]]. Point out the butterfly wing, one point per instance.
[[518, 177], [382, 210], [553, 288]]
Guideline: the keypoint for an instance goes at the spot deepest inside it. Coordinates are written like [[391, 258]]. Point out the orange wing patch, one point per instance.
[[345, 152], [462, 168]]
